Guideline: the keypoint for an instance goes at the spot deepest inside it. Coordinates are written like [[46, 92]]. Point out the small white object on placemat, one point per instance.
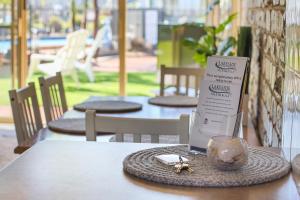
[[170, 159]]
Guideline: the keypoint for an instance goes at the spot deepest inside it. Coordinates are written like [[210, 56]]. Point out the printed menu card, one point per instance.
[[220, 99]]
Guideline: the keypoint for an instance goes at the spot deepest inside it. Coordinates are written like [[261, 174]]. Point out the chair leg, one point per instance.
[[89, 73], [20, 150], [34, 62], [74, 76], [87, 68]]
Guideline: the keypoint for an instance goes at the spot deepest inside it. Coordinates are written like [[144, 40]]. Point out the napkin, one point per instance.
[[170, 159]]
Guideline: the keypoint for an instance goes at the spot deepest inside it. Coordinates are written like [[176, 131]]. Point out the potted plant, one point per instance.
[[212, 43]]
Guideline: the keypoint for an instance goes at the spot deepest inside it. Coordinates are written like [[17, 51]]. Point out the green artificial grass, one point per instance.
[[106, 84]]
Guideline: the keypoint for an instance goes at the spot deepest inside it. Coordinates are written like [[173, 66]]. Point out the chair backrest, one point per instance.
[[137, 127], [53, 95], [26, 113], [197, 73], [75, 45]]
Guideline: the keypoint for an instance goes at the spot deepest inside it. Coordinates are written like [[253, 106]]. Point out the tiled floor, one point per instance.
[[8, 142]]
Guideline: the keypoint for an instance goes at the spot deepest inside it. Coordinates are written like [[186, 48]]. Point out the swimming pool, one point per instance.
[[42, 42]]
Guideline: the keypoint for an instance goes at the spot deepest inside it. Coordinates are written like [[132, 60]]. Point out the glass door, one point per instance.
[[8, 52]]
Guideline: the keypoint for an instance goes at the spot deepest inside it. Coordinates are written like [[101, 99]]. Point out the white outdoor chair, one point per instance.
[[53, 95], [27, 117], [137, 127], [87, 64], [65, 58]]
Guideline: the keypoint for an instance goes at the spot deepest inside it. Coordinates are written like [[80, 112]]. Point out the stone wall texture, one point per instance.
[[267, 20]]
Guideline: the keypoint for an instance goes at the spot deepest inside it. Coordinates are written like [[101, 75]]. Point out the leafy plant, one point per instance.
[[212, 43]]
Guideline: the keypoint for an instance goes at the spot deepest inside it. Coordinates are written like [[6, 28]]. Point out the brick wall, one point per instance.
[[266, 18]]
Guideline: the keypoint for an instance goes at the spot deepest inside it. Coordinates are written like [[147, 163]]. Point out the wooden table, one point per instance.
[[148, 110], [89, 170]]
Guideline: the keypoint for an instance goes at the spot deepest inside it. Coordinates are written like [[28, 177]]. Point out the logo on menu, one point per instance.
[[224, 66], [219, 90]]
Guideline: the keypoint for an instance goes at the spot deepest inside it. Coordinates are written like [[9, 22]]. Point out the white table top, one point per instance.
[[148, 110], [89, 170]]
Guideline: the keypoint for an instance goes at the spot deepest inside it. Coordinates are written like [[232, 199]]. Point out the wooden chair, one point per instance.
[[53, 95], [137, 127], [197, 73], [27, 117]]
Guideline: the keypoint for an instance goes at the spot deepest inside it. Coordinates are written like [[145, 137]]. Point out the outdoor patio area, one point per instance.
[[135, 61], [142, 79]]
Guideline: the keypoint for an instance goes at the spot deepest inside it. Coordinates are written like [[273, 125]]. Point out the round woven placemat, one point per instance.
[[174, 101], [71, 126], [109, 106], [263, 166]]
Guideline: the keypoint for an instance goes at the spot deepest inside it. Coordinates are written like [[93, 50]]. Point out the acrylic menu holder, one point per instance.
[[219, 110], [231, 126]]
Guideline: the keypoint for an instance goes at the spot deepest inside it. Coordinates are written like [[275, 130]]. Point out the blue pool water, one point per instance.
[[42, 42]]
